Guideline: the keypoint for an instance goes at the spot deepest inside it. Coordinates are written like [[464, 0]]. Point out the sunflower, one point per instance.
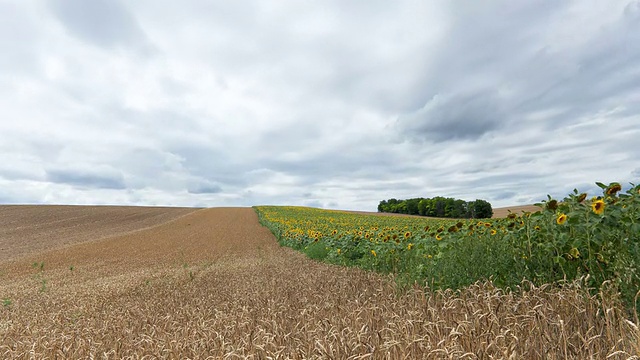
[[552, 205], [613, 189], [582, 197], [410, 246], [598, 206], [339, 251], [438, 237], [407, 234], [493, 232], [561, 219], [373, 252]]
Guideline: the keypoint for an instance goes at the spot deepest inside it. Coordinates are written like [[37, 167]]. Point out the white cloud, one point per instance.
[[323, 103]]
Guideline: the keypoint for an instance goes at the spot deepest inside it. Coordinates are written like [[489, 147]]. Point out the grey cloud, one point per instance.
[[105, 23], [87, 178], [449, 117], [204, 187], [512, 75]]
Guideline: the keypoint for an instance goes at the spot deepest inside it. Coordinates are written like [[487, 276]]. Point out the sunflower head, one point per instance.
[[561, 219], [598, 206], [493, 232], [552, 205], [373, 252], [410, 246], [613, 189], [407, 234], [581, 197]]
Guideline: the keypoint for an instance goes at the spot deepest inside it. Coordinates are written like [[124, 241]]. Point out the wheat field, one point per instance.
[[134, 283]]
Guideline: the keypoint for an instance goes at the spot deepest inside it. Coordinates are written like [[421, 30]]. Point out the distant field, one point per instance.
[[518, 210], [26, 229], [113, 282]]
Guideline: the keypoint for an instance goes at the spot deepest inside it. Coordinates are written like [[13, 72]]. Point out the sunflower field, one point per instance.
[[596, 238]]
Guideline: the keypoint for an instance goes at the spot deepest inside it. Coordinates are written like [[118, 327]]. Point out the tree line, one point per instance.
[[438, 207]]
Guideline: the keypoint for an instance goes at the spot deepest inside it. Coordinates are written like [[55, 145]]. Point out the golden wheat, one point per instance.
[[214, 284]]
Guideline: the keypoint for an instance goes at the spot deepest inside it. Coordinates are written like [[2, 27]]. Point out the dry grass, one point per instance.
[[215, 284]]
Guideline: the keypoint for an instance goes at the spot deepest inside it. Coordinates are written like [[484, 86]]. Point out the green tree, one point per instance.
[[482, 209]]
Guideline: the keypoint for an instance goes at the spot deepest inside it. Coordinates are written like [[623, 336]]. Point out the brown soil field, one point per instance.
[[28, 229], [518, 210], [214, 284]]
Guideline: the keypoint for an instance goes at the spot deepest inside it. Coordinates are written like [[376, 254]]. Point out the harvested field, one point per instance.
[[518, 210], [26, 229], [214, 283]]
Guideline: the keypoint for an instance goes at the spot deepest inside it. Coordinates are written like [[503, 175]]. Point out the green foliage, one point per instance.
[[481, 209], [438, 207], [597, 239], [6, 302], [38, 265], [317, 250]]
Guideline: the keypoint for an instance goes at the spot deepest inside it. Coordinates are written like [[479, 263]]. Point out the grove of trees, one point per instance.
[[438, 207]]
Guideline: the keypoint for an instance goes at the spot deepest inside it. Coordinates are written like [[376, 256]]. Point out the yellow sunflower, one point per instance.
[[598, 206], [561, 219]]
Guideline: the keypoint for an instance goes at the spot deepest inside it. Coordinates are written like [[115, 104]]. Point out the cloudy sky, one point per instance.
[[333, 103]]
